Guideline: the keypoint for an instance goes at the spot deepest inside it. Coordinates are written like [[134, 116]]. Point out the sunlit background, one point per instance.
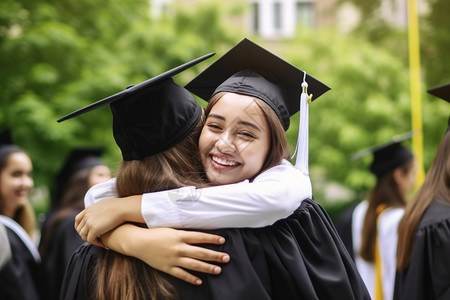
[[58, 56]]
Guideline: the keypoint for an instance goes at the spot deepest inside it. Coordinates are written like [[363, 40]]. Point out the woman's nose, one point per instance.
[[225, 143], [27, 181]]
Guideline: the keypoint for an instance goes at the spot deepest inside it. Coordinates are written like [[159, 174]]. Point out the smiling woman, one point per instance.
[[19, 275], [235, 140]]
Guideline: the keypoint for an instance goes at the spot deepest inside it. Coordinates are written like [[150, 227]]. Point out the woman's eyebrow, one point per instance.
[[246, 123], [216, 116], [240, 122]]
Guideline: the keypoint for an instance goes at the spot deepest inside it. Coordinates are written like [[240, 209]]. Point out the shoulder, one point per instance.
[[436, 213], [282, 172]]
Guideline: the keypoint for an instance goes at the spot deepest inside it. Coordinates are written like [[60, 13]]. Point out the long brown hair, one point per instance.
[[24, 215], [72, 201], [279, 147], [386, 192], [121, 277], [435, 186]]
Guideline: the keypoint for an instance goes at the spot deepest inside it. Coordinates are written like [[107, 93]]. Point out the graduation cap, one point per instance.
[[442, 91], [152, 116], [251, 70], [6, 143], [5, 137], [387, 156]]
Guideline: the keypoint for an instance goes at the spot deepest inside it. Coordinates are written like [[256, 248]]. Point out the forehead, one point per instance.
[[233, 105], [18, 160]]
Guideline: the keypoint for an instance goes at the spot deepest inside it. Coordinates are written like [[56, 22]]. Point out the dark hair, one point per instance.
[[386, 192], [24, 214], [72, 200], [121, 277], [435, 186]]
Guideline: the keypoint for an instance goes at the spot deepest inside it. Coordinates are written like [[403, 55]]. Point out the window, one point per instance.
[[255, 8], [305, 13], [277, 16]]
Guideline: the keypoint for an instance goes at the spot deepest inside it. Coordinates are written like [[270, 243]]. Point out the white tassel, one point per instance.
[[301, 161]]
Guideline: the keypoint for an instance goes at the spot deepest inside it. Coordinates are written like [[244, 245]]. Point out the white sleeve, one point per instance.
[[100, 191], [273, 195]]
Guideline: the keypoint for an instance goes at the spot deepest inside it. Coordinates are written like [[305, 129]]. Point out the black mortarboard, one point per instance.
[[5, 137], [152, 116], [388, 156], [442, 91], [251, 70]]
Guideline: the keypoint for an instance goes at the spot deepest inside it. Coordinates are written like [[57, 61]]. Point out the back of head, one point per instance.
[[156, 125]]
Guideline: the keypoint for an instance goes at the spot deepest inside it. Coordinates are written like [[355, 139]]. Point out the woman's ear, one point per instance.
[[399, 175]]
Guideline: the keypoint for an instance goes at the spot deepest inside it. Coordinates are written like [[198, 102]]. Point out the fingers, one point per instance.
[[186, 276], [199, 266], [78, 220], [194, 237]]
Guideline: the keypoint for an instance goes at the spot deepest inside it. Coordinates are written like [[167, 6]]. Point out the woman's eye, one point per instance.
[[213, 126], [247, 134]]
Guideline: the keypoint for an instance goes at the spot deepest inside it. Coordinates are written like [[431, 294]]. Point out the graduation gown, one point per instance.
[[19, 276], [428, 273], [63, 242], [300, 257]]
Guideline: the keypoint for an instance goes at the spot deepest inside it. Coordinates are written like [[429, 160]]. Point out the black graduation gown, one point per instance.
[[19, 277], [300, 257], [62, 244], [428, 273]]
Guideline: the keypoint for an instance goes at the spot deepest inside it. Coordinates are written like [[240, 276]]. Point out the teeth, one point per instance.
[[223, 162]]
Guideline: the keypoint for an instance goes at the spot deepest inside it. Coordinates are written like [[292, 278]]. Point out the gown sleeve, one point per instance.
[[428, 273], [273, 195]]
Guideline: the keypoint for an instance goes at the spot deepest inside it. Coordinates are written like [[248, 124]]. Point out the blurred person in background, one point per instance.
[[372, 224], [82, 169], [423, 256], [19, 276]]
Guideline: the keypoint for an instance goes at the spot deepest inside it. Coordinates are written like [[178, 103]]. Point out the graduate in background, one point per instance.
[[373, 223], [423, 257], [82, 169], [19, 277]]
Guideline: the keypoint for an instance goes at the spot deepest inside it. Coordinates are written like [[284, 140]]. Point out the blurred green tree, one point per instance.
[[58, 56]]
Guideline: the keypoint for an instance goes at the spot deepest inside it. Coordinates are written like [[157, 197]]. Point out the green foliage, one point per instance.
[[58, 56]]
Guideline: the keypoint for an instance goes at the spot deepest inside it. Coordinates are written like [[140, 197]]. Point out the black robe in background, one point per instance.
[[19, 277], [428, 273], [300, 257], [63, 242]]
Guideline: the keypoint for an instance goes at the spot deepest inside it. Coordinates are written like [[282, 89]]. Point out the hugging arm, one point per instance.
[[168, 250], [272, 195]]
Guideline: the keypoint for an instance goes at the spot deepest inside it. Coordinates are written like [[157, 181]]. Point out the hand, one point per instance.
[[99, 218], [169, 250]]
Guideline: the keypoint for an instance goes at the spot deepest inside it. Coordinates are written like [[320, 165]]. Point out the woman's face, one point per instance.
[[407, 180], [99, 174], [16, 182], [235, 140]]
